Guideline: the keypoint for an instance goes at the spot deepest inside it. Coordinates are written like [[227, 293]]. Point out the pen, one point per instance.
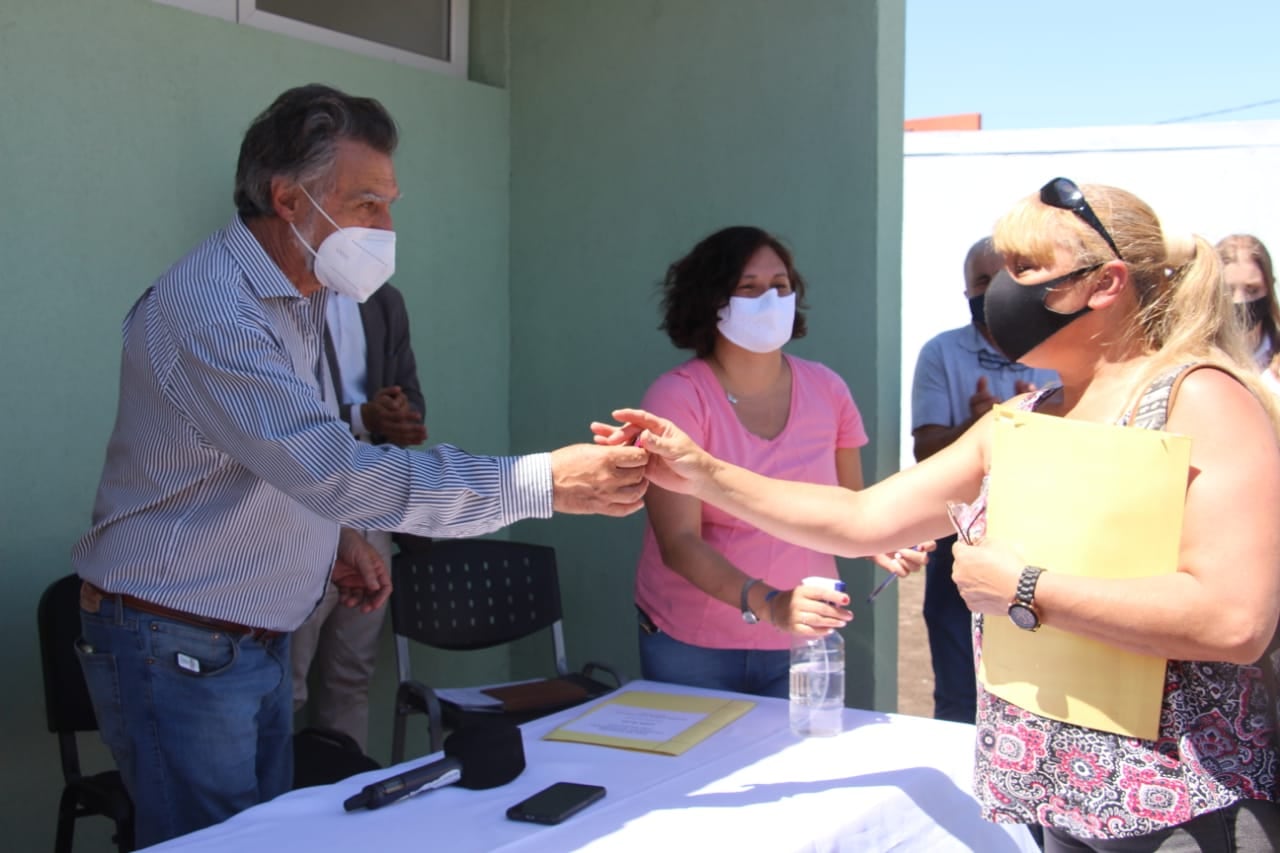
[[881, 588], [884, 584]]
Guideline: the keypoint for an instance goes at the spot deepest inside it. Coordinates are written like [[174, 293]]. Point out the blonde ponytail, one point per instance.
[[1180, 251], [1190, 312]]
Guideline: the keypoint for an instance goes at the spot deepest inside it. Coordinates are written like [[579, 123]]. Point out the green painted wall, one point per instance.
[[536, 220], [639, 126], [119, 127]]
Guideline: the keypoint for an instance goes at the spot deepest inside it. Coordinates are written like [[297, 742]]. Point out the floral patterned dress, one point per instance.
[[1216, 747]]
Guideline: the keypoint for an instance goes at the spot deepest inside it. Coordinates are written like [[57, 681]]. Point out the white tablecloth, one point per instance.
[[887, 783]]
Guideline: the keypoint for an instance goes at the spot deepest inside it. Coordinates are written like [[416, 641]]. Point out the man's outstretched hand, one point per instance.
[[675, 463], [596, 479]]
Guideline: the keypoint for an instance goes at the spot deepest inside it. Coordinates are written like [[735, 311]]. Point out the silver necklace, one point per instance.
[[733, 398], [728, 395]]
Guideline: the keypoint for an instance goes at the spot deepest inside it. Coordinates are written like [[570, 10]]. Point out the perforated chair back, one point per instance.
[[467, 594], [464, 594]]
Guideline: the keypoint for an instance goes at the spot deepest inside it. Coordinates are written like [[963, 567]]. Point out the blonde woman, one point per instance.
[[1093, 290]]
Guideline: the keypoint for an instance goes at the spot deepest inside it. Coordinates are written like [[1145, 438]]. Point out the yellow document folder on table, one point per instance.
[[1089, 499], [668, 723]]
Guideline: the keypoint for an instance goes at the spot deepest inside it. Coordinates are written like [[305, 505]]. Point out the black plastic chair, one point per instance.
[[69, 711], [465, 594], [324, 756]]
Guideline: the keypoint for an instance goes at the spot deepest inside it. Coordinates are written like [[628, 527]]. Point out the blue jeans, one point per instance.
[[760, 673], [198, 721], [950, 626]]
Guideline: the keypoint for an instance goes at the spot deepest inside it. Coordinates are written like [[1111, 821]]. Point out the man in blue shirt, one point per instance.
[[233, 493], [959, 376]]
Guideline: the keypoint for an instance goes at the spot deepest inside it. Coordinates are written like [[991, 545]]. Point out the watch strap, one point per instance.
[[768, 605], [1027, 581], [748, 615], [1022, 610]]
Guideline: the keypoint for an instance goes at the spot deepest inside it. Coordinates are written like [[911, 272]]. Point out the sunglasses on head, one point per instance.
[[1063, 194]]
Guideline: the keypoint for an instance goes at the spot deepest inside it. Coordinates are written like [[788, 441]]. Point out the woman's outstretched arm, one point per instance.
[[905, 509]]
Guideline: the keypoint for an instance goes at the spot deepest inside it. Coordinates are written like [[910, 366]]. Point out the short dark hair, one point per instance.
[[297, 138], [699, 285]]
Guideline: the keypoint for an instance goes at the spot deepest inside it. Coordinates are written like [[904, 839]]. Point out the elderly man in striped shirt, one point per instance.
[[231, 485]]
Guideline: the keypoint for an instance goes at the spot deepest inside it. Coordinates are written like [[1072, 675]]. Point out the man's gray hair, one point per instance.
[[297, 138]]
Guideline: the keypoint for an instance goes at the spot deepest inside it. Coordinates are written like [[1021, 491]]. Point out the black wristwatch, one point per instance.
[[1022, 610], [747, 616]]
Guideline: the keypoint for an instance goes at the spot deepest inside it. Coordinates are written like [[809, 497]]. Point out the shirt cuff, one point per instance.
[[357, 422], [526, 489]]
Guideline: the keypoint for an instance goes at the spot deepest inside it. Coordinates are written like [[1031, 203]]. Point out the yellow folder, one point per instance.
[[1082, 499], [668, 723]]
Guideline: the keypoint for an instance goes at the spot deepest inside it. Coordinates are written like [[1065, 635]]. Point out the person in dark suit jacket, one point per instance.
[[374, 370], [393, 410]]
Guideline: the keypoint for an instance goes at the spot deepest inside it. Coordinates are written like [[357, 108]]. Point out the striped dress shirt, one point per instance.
[[228, 472]]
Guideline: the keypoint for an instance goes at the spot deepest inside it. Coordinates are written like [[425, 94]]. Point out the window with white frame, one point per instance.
[[429, 34]]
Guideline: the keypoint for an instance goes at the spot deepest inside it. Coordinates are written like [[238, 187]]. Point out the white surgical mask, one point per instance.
[[759, 324], [352, 261]]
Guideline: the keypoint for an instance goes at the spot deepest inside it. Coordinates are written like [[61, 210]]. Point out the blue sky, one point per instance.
[[1064, 63]]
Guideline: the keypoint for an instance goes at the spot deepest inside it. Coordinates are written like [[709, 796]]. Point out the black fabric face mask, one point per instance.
[[1017, 317], [1253, 313], [977, 309]]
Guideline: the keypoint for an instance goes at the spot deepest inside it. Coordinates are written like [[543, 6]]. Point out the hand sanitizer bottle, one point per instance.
[[817, 678]]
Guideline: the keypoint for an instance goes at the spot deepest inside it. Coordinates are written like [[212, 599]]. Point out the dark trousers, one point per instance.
[[1249, 826], [949, 624]]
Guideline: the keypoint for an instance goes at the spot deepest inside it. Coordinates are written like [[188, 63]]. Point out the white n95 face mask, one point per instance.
[[353, 261], [760, 324]]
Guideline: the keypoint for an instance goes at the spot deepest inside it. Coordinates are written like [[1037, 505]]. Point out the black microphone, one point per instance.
[[483, 757]]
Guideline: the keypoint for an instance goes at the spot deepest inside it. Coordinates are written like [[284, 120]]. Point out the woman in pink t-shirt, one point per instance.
[[713, 591]]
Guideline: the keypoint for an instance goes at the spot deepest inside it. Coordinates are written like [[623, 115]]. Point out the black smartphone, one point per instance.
[[556, 802]]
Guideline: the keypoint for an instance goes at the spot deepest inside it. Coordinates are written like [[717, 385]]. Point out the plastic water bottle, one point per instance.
[[817, 678]]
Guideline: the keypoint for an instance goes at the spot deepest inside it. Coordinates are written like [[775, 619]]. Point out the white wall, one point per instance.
[[1212, 179]]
